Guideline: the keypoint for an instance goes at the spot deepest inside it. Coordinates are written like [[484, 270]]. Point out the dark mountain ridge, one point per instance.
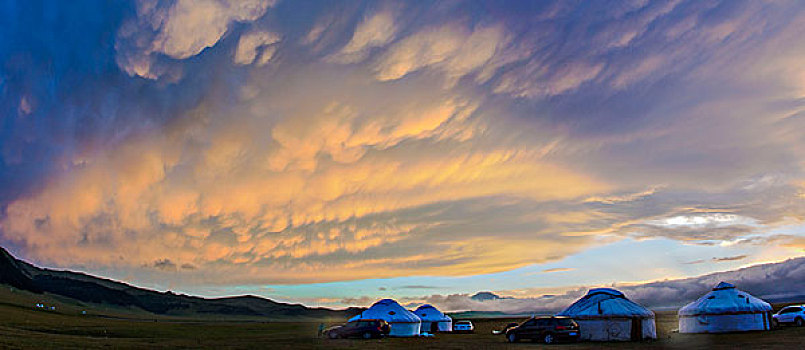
[[95, 290]]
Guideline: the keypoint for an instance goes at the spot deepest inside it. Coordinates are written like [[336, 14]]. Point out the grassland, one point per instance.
[[24, 326]]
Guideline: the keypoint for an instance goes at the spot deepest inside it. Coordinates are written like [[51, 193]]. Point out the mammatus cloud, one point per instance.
[[287, 184], [256, 45], [375, 30], [166, 31], [407, 139], [451, 48]]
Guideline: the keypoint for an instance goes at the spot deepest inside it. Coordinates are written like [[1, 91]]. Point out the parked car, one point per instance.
[[463, 326], [548, 330], [366, 329], [794, 314]]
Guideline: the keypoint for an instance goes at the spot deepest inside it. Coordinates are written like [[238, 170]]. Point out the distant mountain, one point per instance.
[[781, 282], [90, 289], [484, 296]]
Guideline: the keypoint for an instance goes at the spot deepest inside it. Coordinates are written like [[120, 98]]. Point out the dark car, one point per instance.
[[545, 329], [366, 329]]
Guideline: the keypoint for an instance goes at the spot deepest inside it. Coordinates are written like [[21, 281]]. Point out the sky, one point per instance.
[[336, 152]]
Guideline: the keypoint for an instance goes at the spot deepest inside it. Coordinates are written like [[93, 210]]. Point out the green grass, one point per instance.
[[23, 326]]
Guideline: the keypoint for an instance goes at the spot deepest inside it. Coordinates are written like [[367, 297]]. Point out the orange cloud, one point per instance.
[[281, 190]]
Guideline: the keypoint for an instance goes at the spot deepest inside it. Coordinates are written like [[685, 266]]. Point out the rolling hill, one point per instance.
[[86, 289]]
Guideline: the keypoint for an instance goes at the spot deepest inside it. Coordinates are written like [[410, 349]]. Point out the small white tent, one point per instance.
[[605, 314], [725, 309], [433, 320], [403, 322]]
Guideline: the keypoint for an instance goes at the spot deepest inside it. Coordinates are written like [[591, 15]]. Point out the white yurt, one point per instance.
[[725, 309], [604, 314], [433, 320], [403, 322]]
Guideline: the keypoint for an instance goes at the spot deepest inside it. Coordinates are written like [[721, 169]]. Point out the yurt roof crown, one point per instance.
[[605, 302]]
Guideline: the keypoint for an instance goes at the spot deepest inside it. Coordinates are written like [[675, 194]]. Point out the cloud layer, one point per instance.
[[166, 31], [780, 281], [248, 142]]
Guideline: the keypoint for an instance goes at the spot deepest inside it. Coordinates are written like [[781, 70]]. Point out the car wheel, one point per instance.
[[799, 322], [548, 339], [367, 335], [512, 338], [332, 335], [775, 323]]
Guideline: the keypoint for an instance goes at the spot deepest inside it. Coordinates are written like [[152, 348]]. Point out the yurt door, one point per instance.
[[637, 329]]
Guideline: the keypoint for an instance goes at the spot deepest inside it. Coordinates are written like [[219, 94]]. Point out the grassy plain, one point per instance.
[[24, 326]]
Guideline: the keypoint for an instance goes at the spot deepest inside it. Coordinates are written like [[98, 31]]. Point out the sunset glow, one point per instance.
[[337, 152]]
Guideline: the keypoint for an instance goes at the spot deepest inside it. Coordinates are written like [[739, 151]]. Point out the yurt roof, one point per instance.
[[725, 299], [389, 310], [429, 313], [605, 302]]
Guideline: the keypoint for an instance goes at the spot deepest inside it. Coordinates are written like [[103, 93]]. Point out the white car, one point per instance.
[[463, 327], [794, 314]]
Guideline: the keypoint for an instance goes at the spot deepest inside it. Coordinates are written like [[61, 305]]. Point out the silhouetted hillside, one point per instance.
[[90, 289], [13, 273]]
